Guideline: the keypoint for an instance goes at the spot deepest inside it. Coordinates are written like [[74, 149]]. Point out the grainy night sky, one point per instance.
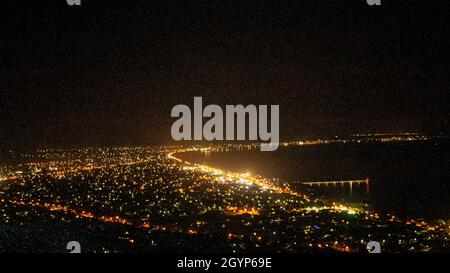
[[109, 73]]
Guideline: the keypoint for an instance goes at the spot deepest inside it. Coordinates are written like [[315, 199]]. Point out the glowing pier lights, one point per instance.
[[340, 182]]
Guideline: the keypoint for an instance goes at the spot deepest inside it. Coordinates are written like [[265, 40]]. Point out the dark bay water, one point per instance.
[[410, 179]]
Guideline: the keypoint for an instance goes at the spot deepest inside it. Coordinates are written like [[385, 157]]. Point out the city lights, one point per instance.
[[142, 193]]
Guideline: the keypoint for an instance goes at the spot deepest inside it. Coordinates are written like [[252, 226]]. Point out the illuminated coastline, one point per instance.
[[149, 196]]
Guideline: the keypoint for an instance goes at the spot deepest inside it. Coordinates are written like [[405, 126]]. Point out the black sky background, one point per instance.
[[109, 73]]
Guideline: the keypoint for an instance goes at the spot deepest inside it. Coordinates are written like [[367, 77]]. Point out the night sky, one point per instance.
[[109, 73]]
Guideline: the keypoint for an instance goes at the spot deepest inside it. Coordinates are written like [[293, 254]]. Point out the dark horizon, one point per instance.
[[109, 74]]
